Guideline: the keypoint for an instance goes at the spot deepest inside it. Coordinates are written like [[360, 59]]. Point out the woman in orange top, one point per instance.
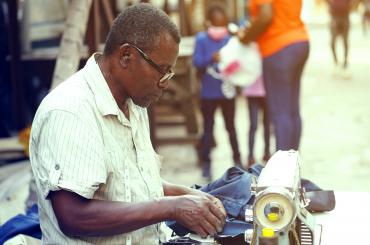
[[283, 42]]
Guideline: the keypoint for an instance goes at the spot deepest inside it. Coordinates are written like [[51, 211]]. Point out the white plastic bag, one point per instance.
[[240, 64], [227, 88]]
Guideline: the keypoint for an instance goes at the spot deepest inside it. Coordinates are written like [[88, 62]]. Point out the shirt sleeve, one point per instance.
[[69, 155], [201, 58]]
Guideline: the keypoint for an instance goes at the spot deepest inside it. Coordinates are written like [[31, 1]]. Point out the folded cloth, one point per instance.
[[28, 224], [234, 191]]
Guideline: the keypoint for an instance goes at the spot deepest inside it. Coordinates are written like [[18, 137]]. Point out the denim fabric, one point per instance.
[[28, 224], [282, 73], [234, 190]]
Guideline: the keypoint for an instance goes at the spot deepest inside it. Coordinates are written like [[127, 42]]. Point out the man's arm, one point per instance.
[[78, 216], [259, 25], [170, 189], [178, 190]]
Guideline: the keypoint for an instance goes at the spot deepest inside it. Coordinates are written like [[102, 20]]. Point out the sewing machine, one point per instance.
[[279, 213]]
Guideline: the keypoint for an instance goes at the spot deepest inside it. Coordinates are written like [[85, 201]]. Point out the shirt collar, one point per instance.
[[103, 96], [98, 85]]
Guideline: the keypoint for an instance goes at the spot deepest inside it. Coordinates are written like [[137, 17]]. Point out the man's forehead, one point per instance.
[[167, 47]]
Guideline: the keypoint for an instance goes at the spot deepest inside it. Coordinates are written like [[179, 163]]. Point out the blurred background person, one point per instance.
[[256, 100], [366, 15], [205, 56], [339, 27], [283, 41]]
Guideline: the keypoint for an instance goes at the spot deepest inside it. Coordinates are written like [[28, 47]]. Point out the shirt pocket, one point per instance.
[[117, 185], [149, 164]]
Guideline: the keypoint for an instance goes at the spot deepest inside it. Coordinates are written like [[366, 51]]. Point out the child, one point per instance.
[[256, 100], [207, 46]]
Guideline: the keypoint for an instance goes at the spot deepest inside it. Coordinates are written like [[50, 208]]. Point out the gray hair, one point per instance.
[[141, 25]]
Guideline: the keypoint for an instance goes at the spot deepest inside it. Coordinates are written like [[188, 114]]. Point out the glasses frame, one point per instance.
[[165, 75]]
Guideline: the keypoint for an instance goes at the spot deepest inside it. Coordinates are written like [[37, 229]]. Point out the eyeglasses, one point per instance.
[[166, 75]]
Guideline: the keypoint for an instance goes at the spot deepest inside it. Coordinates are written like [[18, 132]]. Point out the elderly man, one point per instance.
[[96, 172]]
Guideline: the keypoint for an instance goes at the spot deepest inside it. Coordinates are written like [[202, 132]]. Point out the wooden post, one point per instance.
[[72, 41]]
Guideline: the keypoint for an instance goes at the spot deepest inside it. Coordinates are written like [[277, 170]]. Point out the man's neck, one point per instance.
[[119, 96], [125, 109]]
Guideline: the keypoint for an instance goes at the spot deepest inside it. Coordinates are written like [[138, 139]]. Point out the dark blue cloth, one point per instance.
[[205, 47], [234, 190], [28, 224]]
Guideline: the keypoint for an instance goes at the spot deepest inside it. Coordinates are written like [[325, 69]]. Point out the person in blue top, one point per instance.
[[206, 55]]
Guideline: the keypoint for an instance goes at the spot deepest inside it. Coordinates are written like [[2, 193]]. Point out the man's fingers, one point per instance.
[[220, 205], [216, 211], [201, 231], [209, 228]]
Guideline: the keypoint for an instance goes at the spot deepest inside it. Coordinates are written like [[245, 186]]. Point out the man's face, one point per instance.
[[146, 87]]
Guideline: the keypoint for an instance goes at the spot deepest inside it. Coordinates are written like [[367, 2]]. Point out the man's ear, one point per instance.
[[125, 59], [124, 55]]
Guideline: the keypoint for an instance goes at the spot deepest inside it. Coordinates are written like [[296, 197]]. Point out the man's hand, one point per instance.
[[200, 213], [210, 197], [196, 210]]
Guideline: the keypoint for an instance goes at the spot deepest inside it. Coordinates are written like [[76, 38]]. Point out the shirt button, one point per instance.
[[57, 167]]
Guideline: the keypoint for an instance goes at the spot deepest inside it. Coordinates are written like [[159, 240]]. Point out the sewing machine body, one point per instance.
[[280, 204]]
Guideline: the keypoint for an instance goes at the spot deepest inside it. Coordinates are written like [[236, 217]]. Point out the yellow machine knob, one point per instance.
[[273, 217], [268, 232]]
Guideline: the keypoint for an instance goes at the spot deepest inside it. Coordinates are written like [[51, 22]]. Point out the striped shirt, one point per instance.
[[82, 142]]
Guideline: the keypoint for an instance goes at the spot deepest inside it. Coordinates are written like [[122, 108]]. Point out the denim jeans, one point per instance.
[[282, 73], [234, 191]]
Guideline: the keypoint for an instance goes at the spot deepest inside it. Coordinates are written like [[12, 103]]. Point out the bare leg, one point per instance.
[[345, 42], [346, 27], [333, 31]]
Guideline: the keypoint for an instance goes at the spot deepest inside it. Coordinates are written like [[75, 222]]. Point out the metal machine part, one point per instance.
[[280, 204], [279, 213], [274, 208]]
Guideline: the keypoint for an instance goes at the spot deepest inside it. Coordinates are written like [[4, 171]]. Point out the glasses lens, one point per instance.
[[167, 76]]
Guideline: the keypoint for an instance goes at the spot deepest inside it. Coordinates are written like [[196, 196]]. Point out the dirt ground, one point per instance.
[[335, 144]]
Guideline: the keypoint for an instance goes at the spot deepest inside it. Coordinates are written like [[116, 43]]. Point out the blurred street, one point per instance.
[[98, 154], [335, 145]]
